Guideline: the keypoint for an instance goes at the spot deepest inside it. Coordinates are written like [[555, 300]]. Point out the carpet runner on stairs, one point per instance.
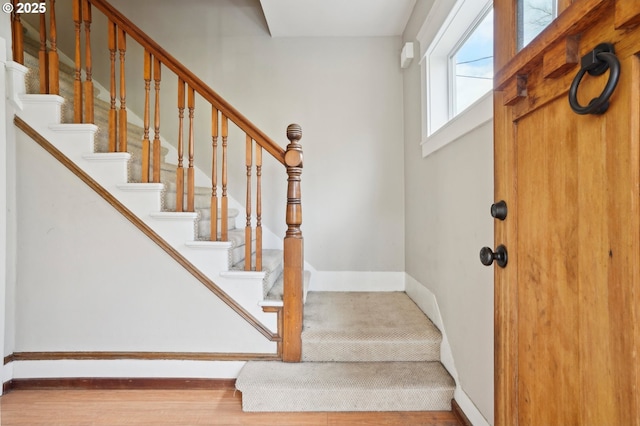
[[361, 352]]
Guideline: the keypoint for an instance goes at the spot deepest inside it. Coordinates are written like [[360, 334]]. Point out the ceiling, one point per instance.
[[336, 18]]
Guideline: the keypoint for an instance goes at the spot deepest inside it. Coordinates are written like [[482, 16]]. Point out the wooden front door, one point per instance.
[[567, 304]]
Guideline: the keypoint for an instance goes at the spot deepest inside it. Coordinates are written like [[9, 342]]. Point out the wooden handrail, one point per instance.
[[191, 79]]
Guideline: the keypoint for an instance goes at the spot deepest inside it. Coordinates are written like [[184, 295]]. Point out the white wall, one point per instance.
[[346, 93], [447, 221], [90, 281]]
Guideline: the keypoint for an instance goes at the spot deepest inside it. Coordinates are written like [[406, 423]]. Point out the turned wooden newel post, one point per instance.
[[293, 251]]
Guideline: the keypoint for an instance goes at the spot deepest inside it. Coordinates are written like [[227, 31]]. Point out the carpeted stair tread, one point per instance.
[[336, 386], [367, 326], [272, 265], [276, 294]]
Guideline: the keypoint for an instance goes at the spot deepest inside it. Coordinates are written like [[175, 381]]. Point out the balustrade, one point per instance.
[[154, 58]]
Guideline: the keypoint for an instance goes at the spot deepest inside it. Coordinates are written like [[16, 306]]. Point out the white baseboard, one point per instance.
[[426, 300], [124, 368], [7, 375], [357, 281], [469, 408]]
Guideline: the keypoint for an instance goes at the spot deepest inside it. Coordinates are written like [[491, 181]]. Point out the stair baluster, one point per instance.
[[258, 208], [190, 171], [88, 82], [17, 35], [156, 121], [145, 137], [122, 113], [293, 251], [247, 229], [77, 83], [43, 57], [54, 61], [214, 175], [113, 116], [180, 169], [224, 204]]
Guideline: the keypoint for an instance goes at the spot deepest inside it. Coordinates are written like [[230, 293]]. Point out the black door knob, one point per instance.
[[487, 256], [499, 210]]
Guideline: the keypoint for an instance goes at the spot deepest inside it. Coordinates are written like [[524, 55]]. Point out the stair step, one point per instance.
[[272, 265], [101, 112], [345, 386], [367, 326], [276, 294]]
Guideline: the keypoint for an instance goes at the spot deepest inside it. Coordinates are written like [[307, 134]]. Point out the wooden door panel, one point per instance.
[[567, 332], [548, 303]]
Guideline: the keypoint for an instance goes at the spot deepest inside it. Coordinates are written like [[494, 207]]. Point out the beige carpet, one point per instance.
[[338, 386], [367, 326], [361, 352]]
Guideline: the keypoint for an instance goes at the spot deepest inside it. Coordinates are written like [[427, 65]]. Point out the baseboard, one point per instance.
[[466, 405], [427, 302], [118, 368], [118, 384], [178, 356], [357, 281], [457, 411]]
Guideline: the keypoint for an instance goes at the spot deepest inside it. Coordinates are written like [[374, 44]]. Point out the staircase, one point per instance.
[[360, 351], [121, 175]]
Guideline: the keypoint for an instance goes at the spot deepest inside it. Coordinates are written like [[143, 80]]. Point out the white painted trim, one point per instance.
[[469, 408], [431, 26], [4, 131], [428, 303], [445, 23], [107, 157], [14, 81], [357, 281], [479, 113], [126, 368]]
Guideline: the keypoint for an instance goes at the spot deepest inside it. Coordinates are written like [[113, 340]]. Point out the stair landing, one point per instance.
[[367, 326]]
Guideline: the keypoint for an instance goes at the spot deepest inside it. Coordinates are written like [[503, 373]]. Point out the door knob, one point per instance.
[[487, 256], [499, 210]]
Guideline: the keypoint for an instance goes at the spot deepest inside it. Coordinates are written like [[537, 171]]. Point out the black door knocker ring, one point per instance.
[[596, 63]]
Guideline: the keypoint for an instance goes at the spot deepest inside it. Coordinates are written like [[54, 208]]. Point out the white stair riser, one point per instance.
[[175, 232], [210, 261], [15, 82], [140, 203], [41, 111], [107, 173], [199, 201]]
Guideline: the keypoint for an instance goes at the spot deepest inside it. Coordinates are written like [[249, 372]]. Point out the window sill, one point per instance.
[[476, 115]]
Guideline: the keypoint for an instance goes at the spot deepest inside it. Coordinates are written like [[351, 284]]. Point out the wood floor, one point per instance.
[[176, 407]]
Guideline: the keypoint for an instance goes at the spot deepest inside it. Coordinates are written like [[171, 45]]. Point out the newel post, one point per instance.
[[293, 251]]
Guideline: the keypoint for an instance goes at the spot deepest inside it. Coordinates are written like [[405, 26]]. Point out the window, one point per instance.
[[533, 17], [456, 42], [472, 66]]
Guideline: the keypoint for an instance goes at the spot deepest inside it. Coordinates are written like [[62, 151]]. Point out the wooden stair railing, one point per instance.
[[154, 58]]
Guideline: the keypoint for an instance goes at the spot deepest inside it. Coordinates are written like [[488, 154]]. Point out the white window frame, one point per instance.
[[446, 25]]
